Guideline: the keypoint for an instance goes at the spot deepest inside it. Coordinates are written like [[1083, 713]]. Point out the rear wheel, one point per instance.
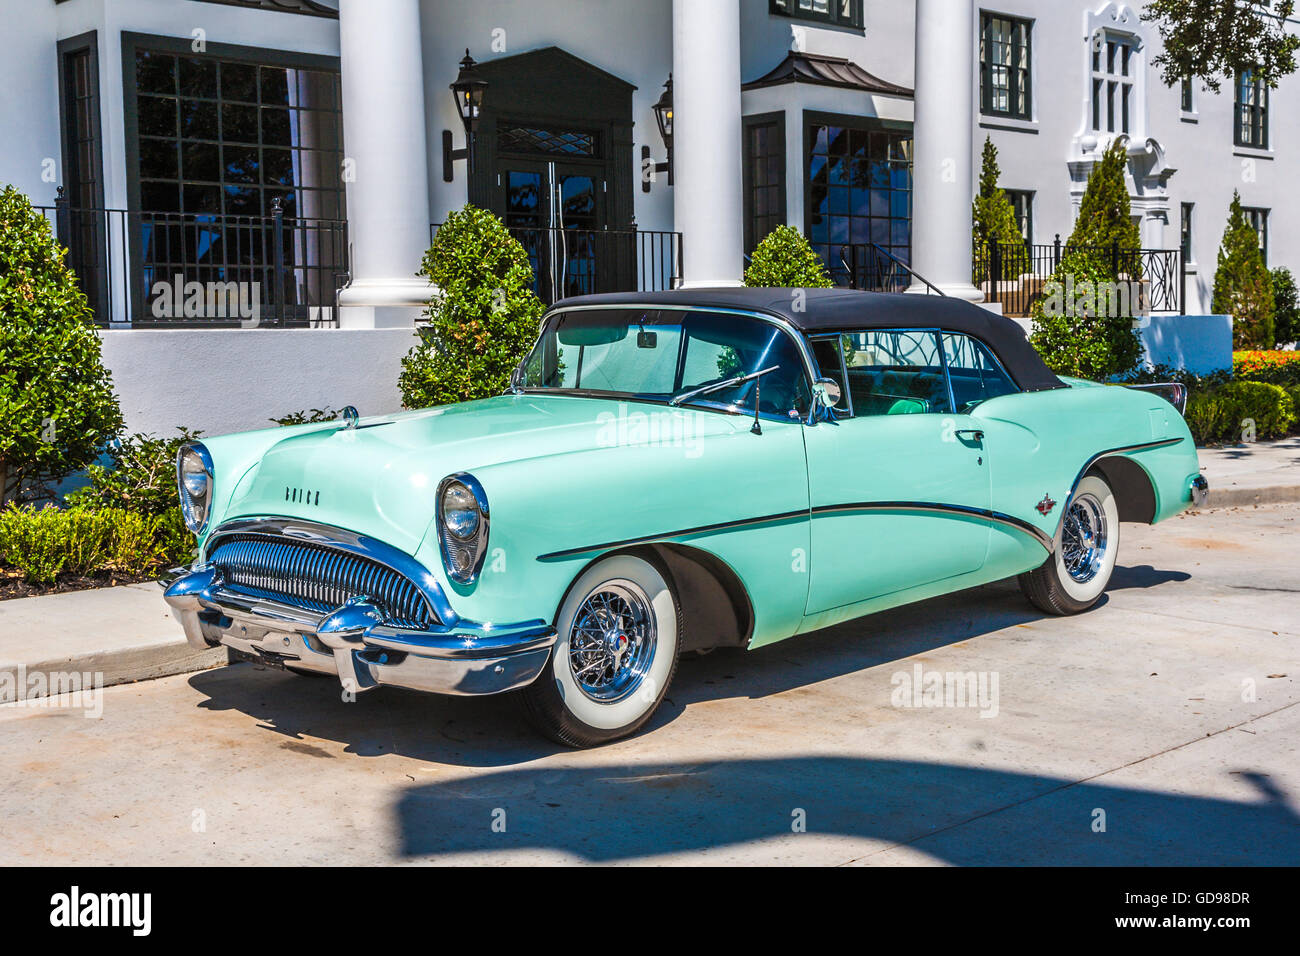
[[1074, 576], [614, 656]]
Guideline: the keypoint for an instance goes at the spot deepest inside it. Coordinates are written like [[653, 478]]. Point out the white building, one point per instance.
[[187, 122]]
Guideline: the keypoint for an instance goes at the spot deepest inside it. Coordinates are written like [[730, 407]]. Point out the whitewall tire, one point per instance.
[[1074, 576], [616, 650]]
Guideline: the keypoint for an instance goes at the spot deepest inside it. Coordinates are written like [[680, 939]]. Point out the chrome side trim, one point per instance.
[[930, 507], [669, 535], [926, 507], [348, 541]]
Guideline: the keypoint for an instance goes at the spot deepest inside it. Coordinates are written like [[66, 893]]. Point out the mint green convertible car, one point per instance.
[[672, 472]]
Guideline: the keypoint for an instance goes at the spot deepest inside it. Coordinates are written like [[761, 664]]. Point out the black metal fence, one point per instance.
[[569, 262], [1016, 274], [171, 270], [874, 268]]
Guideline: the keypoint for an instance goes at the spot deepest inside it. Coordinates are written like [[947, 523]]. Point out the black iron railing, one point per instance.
[[872, 267], [568, 262], [173, 270], [1016, 274]]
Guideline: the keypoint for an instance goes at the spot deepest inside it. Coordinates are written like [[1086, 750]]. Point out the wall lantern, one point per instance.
[[468, 92], [664, 117]]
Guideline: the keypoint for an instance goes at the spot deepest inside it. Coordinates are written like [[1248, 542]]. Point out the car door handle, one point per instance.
[[975, 433]]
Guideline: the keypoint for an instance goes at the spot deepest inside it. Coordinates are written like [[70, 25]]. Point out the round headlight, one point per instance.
[[462, 526], [194, 481], [460, 512]]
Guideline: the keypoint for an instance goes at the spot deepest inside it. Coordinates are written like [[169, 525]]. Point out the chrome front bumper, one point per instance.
[[354, 643]]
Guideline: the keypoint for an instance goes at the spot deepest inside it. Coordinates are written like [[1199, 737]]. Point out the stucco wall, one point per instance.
[[227, 380]]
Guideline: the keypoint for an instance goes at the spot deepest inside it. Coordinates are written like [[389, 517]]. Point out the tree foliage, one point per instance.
[[482, 319], [1214, 40], [993, 220], [57, 407], [1083, 326], [1243, 287], [1286, 303], [785, 260]]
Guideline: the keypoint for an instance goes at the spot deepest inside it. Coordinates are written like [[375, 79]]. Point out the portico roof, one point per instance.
[[823, 70]]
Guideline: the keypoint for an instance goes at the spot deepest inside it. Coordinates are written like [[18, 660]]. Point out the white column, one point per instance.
[[384, 138], [708, 209], [943, 181]]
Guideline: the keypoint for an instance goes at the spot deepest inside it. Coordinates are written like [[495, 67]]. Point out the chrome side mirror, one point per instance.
[[827, 392]]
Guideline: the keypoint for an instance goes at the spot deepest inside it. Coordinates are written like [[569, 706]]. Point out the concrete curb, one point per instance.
[[26, 681], [1244, 497], [81, 640]]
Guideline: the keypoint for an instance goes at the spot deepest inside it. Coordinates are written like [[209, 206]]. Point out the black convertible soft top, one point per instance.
[[835, 310]]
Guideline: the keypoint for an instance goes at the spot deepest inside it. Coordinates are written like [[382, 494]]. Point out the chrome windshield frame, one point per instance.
[[801, 345]]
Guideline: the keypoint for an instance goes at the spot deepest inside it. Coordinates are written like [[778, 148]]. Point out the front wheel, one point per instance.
[[615, 654], [1073, 577]]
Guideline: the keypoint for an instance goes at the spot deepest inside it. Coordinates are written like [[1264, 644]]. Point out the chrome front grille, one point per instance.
[[317, 577]]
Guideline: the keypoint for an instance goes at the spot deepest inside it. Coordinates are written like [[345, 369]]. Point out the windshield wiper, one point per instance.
[[717, 386]]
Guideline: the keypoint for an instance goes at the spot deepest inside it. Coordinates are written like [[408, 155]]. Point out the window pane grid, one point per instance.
[[1005, 66]]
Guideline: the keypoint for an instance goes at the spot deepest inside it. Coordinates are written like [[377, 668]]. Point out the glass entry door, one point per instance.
[[557, 211]]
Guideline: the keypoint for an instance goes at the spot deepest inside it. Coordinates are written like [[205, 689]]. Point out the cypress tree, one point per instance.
[[1243, 287], [993, 219]]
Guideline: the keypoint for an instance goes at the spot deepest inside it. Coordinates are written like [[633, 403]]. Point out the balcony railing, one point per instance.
[[1016, 274], [873, 268], [568, 262], [169, 270]]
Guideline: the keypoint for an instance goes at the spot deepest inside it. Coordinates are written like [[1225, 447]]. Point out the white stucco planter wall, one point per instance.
[[226, 380]]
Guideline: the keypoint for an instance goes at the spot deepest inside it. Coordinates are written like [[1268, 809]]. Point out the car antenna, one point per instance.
[[757, 429]]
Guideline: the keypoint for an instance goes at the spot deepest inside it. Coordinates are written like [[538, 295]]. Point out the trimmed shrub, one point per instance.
[[142, 480], [1276, 367], [482, 319], [1286, 307], [785, 260], [1243, 287], [1075, 332], [44, 543], [57, 407], [1227, 413], [993, 220]]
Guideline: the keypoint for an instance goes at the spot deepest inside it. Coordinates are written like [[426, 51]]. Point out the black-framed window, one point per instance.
[[844, 13], [224, 136], [82, 228], [1005, 58], [1185, 230], [1114, 70], [1251, 128], [1258, 219], [1187, 93], [858, 189], [764, 177], [1022, 201]]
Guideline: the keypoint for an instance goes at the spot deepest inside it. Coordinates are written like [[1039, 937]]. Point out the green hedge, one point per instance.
[[1220, 414], [43, 543]]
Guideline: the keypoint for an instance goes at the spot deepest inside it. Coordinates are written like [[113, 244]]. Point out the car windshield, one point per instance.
[[662, 354]]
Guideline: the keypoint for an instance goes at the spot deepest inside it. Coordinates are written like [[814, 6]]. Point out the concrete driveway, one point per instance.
[[1161, 728]]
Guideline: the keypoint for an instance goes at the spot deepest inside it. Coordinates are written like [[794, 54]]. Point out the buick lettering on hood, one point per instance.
[[669, 473]]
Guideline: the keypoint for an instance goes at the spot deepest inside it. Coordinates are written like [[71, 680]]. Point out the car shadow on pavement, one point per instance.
[[959, 815], [491, 732]]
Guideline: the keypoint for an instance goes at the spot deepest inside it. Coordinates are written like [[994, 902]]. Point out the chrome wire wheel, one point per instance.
[[1084, 538], [612, 641]]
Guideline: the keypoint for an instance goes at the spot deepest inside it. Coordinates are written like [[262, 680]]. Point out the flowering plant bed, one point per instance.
[[1274, 366]]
